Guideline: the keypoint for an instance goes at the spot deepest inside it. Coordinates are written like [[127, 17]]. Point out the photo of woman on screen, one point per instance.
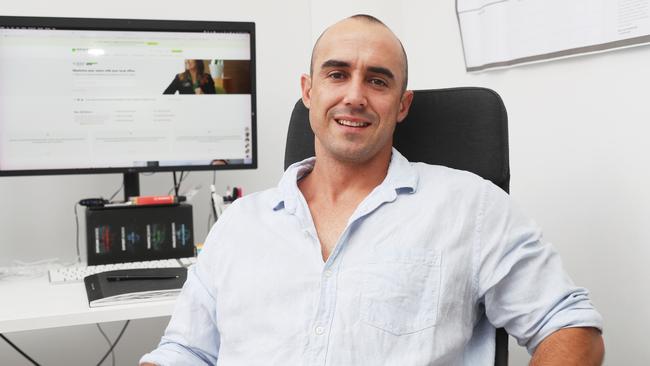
[[194, 80]]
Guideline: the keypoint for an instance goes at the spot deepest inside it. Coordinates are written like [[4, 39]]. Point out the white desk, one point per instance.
[[28, 304]]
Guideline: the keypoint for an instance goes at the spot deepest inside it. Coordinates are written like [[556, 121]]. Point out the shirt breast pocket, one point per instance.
[[400, 292]]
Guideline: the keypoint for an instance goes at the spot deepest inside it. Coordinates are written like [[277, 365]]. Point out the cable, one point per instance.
[[210, 217], [19, 350], [114, 343], [211, 214], [109, 352], [76, 220], [116, 192], [33, 269], [180, 181], [107, 341], [177, 185]]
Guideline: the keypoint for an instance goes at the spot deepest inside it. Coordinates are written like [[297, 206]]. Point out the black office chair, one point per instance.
[[462, 128]]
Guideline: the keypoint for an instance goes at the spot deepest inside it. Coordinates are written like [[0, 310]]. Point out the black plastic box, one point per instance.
[[139, 233]]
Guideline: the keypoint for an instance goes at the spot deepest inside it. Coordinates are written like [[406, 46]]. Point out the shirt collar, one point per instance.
[[400, 178], [288, 186]]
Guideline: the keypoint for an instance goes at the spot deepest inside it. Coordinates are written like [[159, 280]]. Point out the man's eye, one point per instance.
[[336, 75], [378, 82]]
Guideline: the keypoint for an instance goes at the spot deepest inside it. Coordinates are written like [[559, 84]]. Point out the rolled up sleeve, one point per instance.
[[521, 279]]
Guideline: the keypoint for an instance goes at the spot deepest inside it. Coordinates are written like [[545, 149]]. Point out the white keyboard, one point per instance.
[[76, 273]]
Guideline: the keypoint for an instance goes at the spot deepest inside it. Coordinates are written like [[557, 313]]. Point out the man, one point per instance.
[[339, 266]]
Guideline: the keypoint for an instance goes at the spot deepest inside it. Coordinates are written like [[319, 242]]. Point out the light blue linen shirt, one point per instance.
[[427, 265]]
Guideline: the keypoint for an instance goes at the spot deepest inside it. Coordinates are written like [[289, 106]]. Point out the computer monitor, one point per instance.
[[84, 96]]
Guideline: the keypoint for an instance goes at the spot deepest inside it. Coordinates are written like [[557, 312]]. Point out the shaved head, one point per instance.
[[356, 92], [370, 20]]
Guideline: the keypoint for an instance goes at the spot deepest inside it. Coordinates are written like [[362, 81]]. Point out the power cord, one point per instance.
[[114, 343], [19, 350], [116, 192], [109, 352], [210, 218], [76, 221], [177, 182], [107, 341], [176, 185]]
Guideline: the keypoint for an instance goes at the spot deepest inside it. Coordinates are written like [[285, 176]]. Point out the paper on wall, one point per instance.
[[502, 33]]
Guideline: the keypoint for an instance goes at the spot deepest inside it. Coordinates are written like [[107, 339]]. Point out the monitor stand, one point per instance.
[[131, 185]]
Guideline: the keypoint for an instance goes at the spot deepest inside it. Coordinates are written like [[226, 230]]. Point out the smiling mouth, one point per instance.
[[344, 122]]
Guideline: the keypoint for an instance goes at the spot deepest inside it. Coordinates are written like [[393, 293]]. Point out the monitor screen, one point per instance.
[[115, 95]]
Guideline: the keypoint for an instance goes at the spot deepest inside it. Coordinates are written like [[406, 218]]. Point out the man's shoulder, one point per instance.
[[441, 175], [442, 180], [456, 185]]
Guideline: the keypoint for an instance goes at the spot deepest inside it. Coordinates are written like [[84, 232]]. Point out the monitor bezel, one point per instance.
[[142, 25]]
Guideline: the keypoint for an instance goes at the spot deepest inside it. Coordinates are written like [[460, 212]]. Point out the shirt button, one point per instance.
[[319, 330], [328, 273]]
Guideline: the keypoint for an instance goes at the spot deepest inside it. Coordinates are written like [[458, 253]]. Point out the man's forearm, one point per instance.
[[570, 346]]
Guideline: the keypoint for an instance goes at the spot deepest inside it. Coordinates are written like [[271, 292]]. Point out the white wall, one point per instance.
[[37, 219], [580, 162], [579, 158]]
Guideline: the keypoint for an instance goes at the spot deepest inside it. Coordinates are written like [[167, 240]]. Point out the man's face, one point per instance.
[[354, 94]]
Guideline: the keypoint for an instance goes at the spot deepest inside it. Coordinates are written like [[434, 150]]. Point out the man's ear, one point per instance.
[[404, 105], [305, 86]]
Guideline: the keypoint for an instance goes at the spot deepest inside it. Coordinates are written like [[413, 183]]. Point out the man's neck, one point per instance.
[[334, 181]]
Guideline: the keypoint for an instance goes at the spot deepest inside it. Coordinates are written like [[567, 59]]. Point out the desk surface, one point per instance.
[[29, 304]]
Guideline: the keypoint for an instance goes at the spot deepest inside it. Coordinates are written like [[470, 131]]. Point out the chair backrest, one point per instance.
[[463, 128]]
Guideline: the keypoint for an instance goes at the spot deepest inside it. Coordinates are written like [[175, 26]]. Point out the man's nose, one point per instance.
[[355, 94]]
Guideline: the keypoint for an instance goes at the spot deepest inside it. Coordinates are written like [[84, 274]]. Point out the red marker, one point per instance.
[[155, 200]]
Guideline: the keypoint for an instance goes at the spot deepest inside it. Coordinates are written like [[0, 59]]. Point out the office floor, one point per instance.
[[83, 345]]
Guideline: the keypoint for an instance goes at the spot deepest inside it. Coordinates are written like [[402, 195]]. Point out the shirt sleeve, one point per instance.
[[521, 280], [192, 336]]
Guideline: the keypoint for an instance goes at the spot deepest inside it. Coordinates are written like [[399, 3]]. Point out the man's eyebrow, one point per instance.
[[334, 63], [381, 70], [374, 69]]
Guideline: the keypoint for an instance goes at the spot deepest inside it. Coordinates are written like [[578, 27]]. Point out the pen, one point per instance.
[[140, 277], [118, 204]]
